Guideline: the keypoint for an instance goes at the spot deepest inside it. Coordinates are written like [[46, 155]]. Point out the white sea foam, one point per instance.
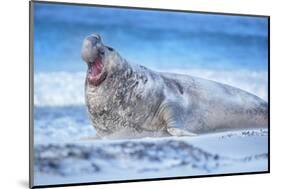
[[59, 89], [65, 88]]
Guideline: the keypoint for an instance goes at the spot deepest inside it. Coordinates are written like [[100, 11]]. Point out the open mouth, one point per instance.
[[96, 75]]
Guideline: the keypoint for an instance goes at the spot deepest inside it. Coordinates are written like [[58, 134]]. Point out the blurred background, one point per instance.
[[157, 39], [229, 49]]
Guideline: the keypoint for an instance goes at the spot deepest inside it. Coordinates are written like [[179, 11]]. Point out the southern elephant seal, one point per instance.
[[128, 101]]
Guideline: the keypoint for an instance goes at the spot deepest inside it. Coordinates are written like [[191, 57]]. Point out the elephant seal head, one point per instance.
[[101, 59]]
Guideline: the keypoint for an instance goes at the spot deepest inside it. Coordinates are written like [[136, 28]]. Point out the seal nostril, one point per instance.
[[96, 35], [93, 39]]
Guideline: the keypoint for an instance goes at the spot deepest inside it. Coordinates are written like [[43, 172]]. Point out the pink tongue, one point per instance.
[[96, 67]]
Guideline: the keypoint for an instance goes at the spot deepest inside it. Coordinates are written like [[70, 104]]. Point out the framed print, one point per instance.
[[121, 94]]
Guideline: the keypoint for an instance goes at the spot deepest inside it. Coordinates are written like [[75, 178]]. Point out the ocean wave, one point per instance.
[[59, 88], [65, 88]]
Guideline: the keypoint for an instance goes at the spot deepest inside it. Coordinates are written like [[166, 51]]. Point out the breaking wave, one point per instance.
[[59, 89]]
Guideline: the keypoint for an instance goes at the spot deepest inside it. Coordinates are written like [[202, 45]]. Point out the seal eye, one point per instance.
[[109, 48]]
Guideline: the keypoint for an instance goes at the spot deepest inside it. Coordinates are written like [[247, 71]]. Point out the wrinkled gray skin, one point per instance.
[[134, 101]]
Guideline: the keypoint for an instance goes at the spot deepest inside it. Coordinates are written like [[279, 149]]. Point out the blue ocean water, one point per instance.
[[156, 39]]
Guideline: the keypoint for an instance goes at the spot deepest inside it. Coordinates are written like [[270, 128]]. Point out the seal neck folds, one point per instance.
[[95, 72]]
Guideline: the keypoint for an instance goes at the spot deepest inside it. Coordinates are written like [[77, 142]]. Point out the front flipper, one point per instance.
[[179, 132], [174, 116]]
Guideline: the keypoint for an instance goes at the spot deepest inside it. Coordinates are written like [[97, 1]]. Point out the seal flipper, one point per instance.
[[171, 115], [179, 132]]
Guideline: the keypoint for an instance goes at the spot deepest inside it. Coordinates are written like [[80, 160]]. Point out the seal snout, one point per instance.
[[92, 53], [94, 39], [91, 48]]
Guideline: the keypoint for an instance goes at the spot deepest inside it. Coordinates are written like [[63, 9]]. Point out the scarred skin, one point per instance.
[[131, 101]]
